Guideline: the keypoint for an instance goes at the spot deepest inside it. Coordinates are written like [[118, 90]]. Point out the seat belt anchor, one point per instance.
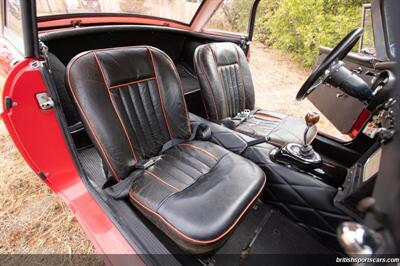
[[144, 164]]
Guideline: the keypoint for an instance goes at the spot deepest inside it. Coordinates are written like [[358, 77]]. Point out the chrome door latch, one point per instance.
[[44, 100]]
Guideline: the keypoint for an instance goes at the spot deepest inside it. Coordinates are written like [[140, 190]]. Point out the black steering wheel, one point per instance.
[[319, 75]]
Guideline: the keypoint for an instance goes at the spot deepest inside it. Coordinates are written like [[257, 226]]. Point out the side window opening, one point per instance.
[[367, 42], [231, 16], [13, 23], [285, 49]]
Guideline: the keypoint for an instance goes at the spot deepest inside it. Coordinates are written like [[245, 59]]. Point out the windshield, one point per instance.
[[178, 10]]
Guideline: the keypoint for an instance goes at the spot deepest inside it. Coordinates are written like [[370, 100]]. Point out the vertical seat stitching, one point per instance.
[[241, 75], [235, 80], [232, 91], [138, 114], [187, 160], [166, 156], [134, 112], [159, 93], [113, 105], [153, 109], [221, 72], [218, 74]]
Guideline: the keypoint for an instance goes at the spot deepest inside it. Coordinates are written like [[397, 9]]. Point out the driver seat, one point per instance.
[[228, 94]]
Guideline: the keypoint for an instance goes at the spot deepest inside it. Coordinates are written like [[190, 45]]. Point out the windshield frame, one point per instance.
[[113, 14]]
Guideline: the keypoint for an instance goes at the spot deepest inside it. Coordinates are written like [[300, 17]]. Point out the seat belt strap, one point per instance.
[[121, 189], [199, 130]]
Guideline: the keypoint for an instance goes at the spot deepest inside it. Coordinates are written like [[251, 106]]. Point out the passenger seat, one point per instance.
[[228, 93]]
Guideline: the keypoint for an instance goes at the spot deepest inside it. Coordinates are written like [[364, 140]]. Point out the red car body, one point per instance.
[[40, 139]]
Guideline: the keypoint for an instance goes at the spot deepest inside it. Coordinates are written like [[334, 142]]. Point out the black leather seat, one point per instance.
[[227, 89], [131, 102]]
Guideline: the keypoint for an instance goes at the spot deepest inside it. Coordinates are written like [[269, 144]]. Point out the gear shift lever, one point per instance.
[[302, 155], [311, 119]]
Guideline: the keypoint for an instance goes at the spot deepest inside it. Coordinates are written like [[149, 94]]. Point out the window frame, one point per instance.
[[248, 34], [366, 7], [112, 14], [14, 38]]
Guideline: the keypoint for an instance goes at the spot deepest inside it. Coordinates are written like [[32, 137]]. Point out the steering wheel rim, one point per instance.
[[338, 53]]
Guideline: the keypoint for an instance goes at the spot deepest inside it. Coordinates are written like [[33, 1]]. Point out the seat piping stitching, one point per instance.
[[114, 107], [218, 75], [159, 93], [200, 176], [181, 90], [200, 63], [130, 83], [93, 131], [160, 179], [202, 241], [241, 75], [213, 156]]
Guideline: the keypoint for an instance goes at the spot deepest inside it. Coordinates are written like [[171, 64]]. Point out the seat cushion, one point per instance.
[[197, 192], [280, 128]]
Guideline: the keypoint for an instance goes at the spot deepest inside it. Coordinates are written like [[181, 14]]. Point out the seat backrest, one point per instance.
[[131, 102], [225, 79], [58, 71]]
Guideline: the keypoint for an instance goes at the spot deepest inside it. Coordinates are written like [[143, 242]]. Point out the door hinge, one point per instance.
[[44, 100]]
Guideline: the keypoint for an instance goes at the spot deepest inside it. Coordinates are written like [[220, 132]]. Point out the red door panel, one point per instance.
[[40, 140]]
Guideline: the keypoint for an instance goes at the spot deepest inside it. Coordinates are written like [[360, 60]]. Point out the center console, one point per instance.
[[301, 184], [303, 158]]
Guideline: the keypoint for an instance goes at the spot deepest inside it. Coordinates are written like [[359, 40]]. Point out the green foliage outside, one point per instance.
[[298, 26]]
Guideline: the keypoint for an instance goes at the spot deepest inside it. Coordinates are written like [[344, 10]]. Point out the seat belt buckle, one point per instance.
[[144, 164], [243, 115]]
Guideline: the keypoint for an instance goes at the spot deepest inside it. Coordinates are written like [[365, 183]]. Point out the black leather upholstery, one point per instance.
[[303, 198], [227, 89], [131, 101], [58, 71], [199, 191]]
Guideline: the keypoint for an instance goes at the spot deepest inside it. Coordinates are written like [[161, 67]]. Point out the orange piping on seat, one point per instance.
[[266, 115], [159, 179], [219, 77], [209, 83], [241, 75], [115, 109], [181, 90], [195, 240], [200, 149], [159, 93], [115, 175], [130, 83]]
